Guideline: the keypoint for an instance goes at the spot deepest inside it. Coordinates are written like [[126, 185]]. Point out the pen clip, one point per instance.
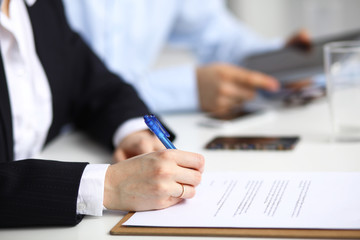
[[157, 123], [158, 129]]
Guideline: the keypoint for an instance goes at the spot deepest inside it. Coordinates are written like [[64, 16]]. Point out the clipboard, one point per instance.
[[119, 229]]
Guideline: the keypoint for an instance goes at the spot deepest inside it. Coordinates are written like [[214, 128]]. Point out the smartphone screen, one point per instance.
[[277, 143]]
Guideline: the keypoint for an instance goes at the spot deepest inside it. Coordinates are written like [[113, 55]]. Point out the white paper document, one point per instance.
[[265, 200]]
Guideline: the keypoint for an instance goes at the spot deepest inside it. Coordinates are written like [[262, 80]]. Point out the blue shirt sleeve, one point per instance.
[[170, 89], [129, 36], [214, 35]]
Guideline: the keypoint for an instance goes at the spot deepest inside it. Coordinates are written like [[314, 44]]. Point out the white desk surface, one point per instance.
[[314, 152]]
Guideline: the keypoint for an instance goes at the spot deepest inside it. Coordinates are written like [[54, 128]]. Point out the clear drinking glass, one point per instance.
[[342, 67]]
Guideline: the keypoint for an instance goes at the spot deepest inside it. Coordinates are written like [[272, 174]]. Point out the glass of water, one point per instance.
[[342, 68]]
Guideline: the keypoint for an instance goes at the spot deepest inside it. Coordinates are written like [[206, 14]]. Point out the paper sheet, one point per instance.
[[265, 200]]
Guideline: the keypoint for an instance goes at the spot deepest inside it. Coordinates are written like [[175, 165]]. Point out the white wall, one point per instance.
[[274, 18]]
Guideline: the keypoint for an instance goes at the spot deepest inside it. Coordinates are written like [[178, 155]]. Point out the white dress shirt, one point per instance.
[[129, 35], [31, 103], [29, 90]]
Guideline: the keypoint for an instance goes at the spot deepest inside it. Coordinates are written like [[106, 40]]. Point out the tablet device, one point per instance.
[[291, 64], [277, 143]]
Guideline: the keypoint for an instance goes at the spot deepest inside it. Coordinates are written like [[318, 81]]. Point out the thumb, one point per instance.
[[119, 155], [144, 146]]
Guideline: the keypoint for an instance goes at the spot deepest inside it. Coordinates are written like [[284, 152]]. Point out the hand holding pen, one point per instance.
[[158, 129], [155, 180]]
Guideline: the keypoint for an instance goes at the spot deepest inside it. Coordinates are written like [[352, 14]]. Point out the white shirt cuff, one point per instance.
[[128, 127], [91, 190]]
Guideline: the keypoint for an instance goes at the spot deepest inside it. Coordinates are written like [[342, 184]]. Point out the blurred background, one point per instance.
[[281, 18], [274, 18]]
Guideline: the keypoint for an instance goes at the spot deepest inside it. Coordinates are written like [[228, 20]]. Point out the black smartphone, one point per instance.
[[277, 143]]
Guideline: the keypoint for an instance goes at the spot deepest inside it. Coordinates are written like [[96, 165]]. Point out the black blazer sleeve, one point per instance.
[[103, 101], [38, 192], [84, 93]]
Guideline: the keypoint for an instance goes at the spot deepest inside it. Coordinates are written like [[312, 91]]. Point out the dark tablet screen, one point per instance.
[[292, 64]]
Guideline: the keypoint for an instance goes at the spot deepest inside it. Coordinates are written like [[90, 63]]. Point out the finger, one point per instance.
[[237, 93], [235, 111], [172, 201], [304, 38], [184, 191], [161, 204], [190, 160], [187, 176], [254, 79], [298, 85], [257, 80], [119, 155], [149, 144], [157, 144], [301, 40], [145, 145], [225, 104]]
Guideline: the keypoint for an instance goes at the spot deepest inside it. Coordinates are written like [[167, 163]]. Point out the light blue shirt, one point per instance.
[[128, 35]]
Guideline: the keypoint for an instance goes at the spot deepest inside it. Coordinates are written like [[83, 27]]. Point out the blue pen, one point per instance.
[[155, 126]]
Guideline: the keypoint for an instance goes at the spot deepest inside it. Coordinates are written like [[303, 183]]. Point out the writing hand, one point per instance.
[[152, 181]]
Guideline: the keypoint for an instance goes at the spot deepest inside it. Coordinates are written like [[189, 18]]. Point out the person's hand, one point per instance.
[[152, 181], [299, 84], [300, 40], [223, 87], [135, 144]]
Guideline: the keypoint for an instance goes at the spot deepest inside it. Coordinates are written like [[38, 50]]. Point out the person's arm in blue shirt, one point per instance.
[[220, 43], [134, 32]]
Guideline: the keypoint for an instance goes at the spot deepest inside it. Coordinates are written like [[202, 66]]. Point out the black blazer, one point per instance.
[[84, 93]]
